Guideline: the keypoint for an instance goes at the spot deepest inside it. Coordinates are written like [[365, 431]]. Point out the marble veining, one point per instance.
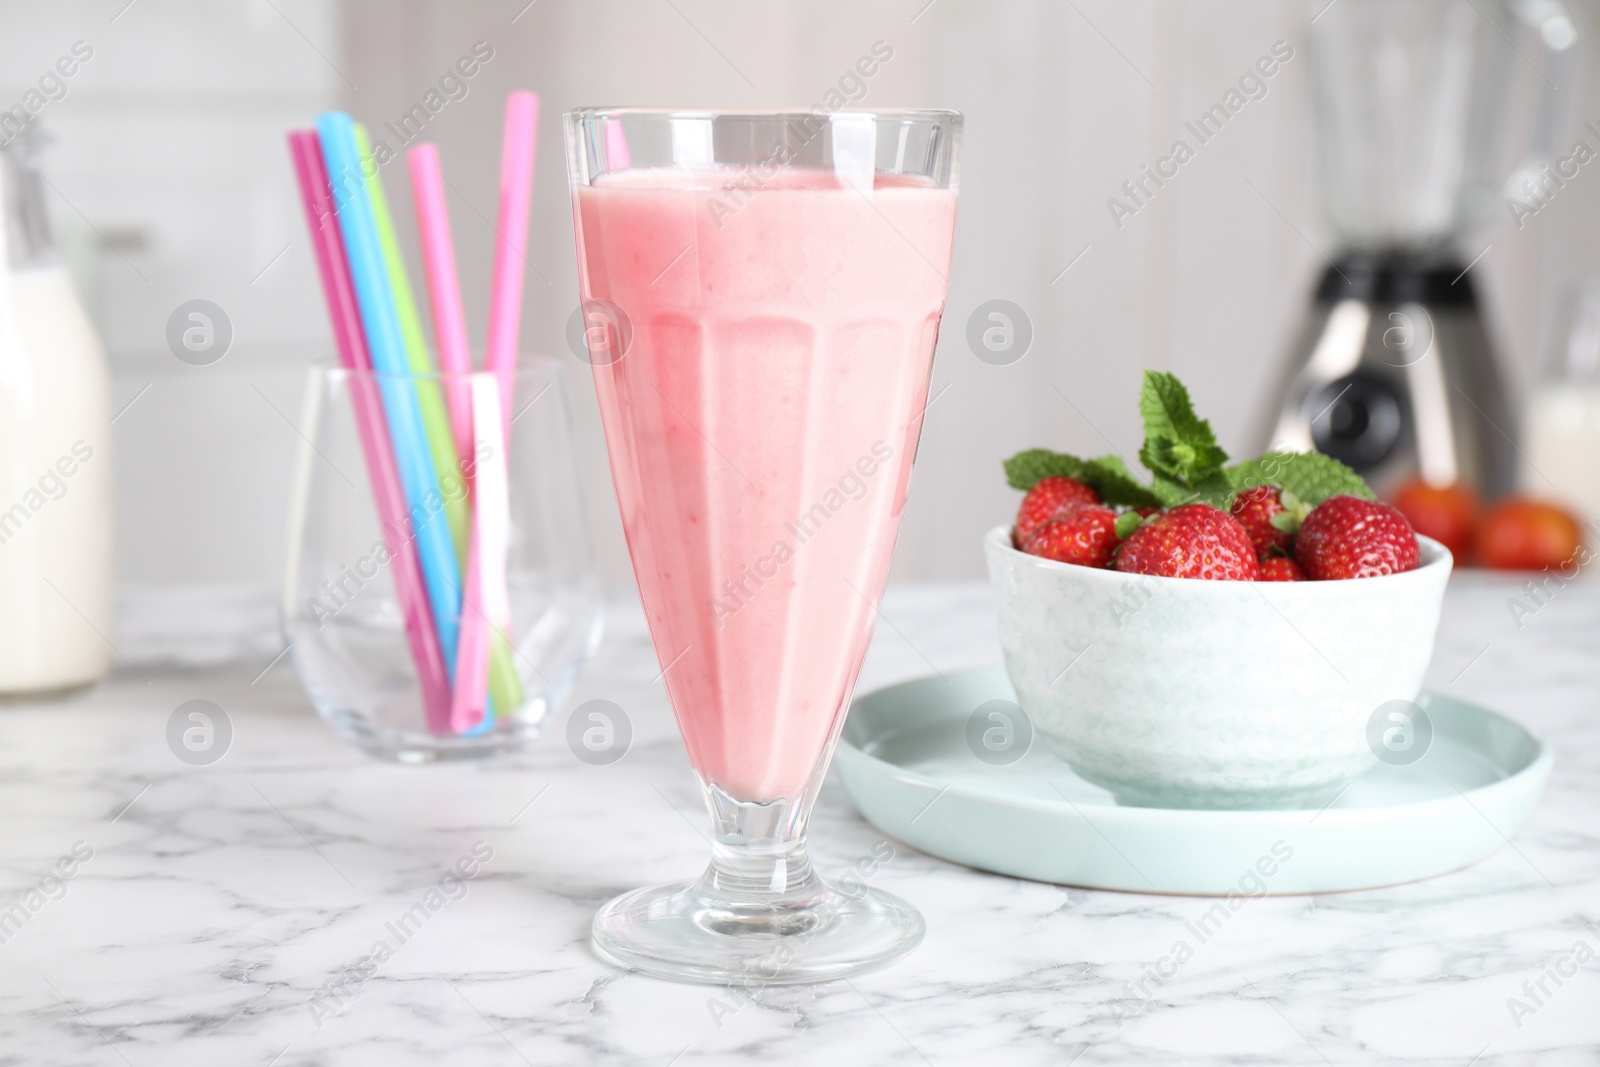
[[234, 913]]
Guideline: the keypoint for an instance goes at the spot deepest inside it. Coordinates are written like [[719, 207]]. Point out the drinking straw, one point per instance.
[[387, 491], [444, 291], [487, 604], [480, 635], [435, 423], [469, 701], [441, 574], [505, 292], [617, 155]]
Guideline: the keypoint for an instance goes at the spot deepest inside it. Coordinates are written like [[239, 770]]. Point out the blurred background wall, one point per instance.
[[170, 182]]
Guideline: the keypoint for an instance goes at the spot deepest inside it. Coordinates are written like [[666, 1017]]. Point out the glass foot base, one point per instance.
[[694, 932]]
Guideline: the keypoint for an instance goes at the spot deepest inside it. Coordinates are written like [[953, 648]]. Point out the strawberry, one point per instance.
[[1281, 569], [1450, 514], [1254, 508], [1047, 497], [1519, 534], [1085, 535], [1347, 537], [1192, 541]]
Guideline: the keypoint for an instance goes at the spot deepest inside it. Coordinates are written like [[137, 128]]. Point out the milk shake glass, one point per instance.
[[762, 293]]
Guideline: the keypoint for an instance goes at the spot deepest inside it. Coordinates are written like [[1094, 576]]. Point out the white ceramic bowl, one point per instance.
[[1178, 692]]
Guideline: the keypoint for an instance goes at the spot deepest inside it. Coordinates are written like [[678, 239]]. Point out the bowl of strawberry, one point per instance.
[[1219, 635]]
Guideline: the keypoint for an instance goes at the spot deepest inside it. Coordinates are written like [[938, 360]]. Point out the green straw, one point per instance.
[[505, 688], [435, 420]]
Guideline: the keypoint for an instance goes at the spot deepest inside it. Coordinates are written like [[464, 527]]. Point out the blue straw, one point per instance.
[[381, 320]]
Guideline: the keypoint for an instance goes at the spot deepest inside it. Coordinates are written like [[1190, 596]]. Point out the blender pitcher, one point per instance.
[[1394, 372]]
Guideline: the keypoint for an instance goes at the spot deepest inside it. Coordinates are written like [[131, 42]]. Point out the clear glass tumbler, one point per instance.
[[762, 294], [356, 612]]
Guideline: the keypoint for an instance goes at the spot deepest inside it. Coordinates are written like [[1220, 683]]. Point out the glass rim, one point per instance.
[[580, 114]]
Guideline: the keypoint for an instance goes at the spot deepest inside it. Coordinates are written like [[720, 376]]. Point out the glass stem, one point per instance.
[[758, 856]]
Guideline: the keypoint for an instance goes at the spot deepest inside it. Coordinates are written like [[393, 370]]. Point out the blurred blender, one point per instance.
[[55, 452], [1394, 371]]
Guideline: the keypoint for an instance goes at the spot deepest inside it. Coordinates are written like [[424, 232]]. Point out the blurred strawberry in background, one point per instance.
[[1528, 535], [1448, 514]]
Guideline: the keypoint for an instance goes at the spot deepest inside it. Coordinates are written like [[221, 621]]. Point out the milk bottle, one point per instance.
[[55, 453], [1562, 423]]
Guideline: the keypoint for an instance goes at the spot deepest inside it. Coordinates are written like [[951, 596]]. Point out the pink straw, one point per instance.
[[617, 156], [505, 294], [312, 173], [467, 708], [469, 702], [480, 608], [444, 290]]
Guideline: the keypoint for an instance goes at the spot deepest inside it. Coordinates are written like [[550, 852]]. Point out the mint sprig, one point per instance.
[[1188, 466], [1178, 444]]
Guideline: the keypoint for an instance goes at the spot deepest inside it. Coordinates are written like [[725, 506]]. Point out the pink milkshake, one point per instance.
[[761, 425]]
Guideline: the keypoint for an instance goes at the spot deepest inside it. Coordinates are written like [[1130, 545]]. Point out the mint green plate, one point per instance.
[[905, 760]]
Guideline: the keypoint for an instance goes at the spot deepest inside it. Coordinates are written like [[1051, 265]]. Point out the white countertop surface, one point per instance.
[[219, 900]]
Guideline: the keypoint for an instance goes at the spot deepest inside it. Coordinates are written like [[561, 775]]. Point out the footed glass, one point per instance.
[[761, 300]]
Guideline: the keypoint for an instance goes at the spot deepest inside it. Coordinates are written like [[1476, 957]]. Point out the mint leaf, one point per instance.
[[1310, 476], [1108, 476], [1117, 486], [1215, 490], [1178, 444], [1186, 462], [1027, 469], [1170, 492], [1165, 406]]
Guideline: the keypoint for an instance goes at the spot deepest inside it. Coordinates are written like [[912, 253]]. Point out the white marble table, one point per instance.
[[218, 901]]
